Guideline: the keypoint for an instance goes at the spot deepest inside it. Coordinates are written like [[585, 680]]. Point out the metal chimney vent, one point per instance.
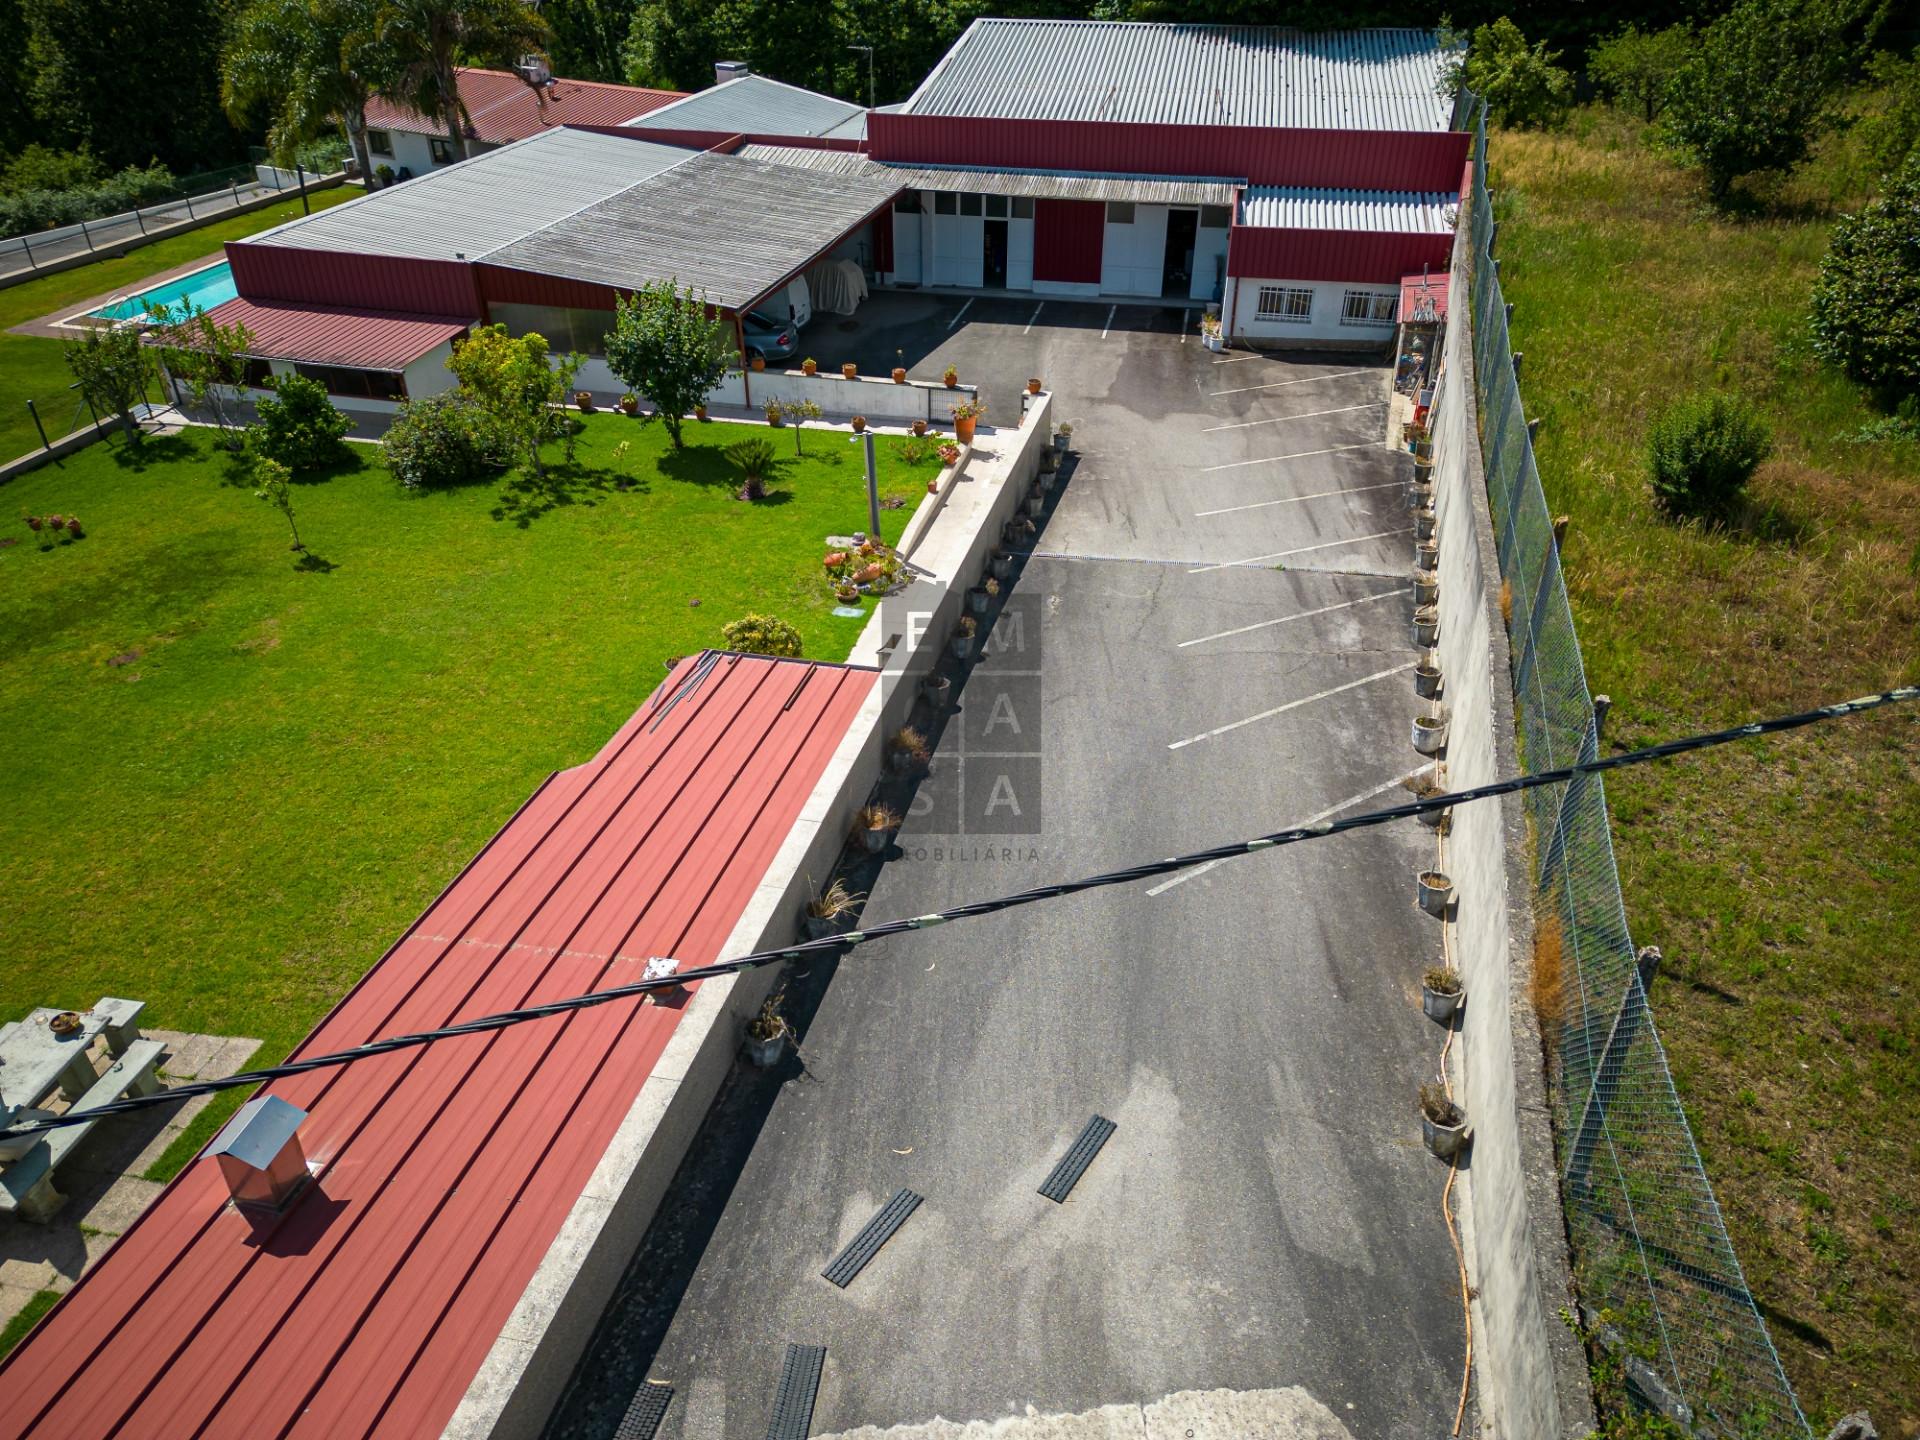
[[259, 1153], [725, 70]]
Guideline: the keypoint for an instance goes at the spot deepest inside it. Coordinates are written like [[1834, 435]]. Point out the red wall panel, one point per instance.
[[1349, 159], [501, 286], [1358, 255], [372, 282], [883, 241], [1067, 238]]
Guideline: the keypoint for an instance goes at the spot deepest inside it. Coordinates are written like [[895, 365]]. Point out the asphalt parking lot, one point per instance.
[[1192, 654]]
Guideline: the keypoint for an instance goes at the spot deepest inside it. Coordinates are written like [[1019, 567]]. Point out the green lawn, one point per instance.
[[231, 782], [32, 368], [1781, 879]]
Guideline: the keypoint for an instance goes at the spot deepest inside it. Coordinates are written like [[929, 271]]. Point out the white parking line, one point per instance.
[[1111, 312], [1296, 455], [1236, 359], [1035, 316], [1284, 619], [1308, 415], [1292, 705], [1301, 550], [958, 313], [1183, 876], [1295, 499], [1277, 384]]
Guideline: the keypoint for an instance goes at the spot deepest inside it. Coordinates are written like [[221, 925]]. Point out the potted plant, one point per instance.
[[583, 401], [873, 827], [908, 750], [1062, 433], [965, 416], [949, 454], [1210, 332], [849, 371], [1440, 992], [1033, 385], [934, 686], [759, 363], [809, 366], [919, 427], [1429, 733], [767, 1035], [846, 592], [1036, 501], [630, 403], [962, 641], [776, 416], [1426, 625], [1427, 555], [977, 599], [700, 411], [830, 910], [1443, 1123], [1426, 590], [1426, 784], [933, 486], [1426, 679], [1002, 565], [951, 376], [859, 423], [1424, 522], [1436, 891]]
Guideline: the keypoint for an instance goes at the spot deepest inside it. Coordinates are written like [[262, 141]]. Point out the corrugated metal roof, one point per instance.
[[754, 105], [728, 226], [1042, 184], [1259, 75], [333, 335], [491, 200], [446, 1172], [502, 107], [1402, 212]]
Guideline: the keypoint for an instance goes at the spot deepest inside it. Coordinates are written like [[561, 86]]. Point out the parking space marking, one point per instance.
[[1285, 619], [958, 313], [1327, 814], [1035, 316], [1301, 550], [1282, 419], [1112, 310], [1295, 499], [1220, 730], [1296, 455], [1277, 384], [1236, 359]]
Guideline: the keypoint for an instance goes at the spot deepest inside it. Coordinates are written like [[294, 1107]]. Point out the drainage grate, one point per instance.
[[1078, 1157], [799, 1384], [649, 1408], [875, 1233]]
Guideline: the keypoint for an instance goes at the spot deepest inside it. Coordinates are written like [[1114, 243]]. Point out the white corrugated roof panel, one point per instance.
[[1259, 75], [753, 105], [481, 204], [1402, 212], [976, 179]]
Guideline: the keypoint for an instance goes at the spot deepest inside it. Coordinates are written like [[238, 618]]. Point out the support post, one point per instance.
[[300, 172], [1518, 356], [27, 245], [34, 410], [873, 487], [86, 234], [1602, 704], [1533, 432]]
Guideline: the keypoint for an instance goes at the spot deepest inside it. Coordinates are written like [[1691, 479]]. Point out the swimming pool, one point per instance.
[[204, 288]]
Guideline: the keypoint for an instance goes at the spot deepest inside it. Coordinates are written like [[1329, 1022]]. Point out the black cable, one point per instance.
[[839, 944]]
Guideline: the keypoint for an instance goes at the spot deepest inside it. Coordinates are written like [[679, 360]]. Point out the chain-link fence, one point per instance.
[[1651, 1251]]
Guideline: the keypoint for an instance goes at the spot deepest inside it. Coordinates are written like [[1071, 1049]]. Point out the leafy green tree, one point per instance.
[[1521, 83], [113, 367], [1891, 133], [518, 385], [1760, 88], [299, 426], [425, 40], [208, 359], [1634, 67], [588, 36], [272, 482], [1866, 302], [306, 64], [668, 347]]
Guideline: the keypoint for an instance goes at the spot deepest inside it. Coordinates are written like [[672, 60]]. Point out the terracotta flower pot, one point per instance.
[[850, 372], [1033, 387], [859, 423], [759, 363], [899, 375], [963, 429], [809, 367], [952, 379], [630, 404], [699, 412]]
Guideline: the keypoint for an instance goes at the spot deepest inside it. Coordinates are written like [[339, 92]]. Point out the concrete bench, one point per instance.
[[26, 1184]]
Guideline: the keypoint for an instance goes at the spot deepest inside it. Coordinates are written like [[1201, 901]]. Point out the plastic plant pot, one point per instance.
[[1436, 891]]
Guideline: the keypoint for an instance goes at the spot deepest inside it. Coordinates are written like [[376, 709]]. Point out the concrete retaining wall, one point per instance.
[[522, 1377], [880, 400], [1529, 1373]]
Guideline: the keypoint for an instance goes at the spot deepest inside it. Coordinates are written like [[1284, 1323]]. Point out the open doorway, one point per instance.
[[994, 270], [1176, 270]]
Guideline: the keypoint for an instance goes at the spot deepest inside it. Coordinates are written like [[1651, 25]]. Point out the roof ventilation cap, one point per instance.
[[725, 70], [259, 1154]]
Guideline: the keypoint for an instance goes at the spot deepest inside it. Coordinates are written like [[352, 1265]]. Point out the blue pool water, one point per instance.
[[205, 288]]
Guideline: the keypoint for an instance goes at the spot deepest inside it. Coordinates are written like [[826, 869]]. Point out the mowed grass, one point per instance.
[[34, 368], [231, 782], [1781, 879]]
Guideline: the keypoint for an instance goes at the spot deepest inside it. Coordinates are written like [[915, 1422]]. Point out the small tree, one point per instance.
[[112, 367], [1866, 302], [762, 635], [1634, 67], [515, 382], [1701, 453], [754, 460], [666, 346], [800, 411], [208, 358], [299, 425], [1891, 133], [1521, 83], [272, 483], [1758, 90]]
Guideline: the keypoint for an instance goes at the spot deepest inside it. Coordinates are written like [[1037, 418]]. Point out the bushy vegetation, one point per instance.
[[443, 440], [1866, 303], [1634, 67], [23, 212], [1890, 133], [757, 634], [1702, 452], [299, 426], [1523, 85]]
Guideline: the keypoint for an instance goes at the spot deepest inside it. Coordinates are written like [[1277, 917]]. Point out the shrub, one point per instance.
[[443, 440], [1891, 133], [1521, 84], [1701, 453], [1866, 302], [754, 460], [299, 426], [39, 168], [1634, 67], [27, 211], [762, 635]]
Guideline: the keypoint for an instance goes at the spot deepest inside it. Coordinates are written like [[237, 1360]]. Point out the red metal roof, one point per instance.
[[503, 107], [334, 335], [446, 1171], [1424, 297]]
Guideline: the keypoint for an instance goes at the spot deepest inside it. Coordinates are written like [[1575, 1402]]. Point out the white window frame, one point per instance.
[[1374, 308], [1292, 305]]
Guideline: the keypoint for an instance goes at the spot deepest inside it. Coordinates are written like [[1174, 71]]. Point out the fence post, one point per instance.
[[1602, 704], [139, 219], [1518, 356], [300, 172], [34, 410], [236, 194], [1533, 431], [190, 207], [86, 235], [27, 245]]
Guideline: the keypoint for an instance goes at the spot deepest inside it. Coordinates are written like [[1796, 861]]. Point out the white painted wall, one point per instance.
[[1324, 324], [1132, 256], [1209, 250], [906, 250], [429, 374], [1020, 254]]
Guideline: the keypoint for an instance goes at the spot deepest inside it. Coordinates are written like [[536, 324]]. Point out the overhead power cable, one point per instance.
[[839, 944]]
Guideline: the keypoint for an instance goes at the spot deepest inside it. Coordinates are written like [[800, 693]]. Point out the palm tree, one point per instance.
[[427, 39], [309, 63]]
